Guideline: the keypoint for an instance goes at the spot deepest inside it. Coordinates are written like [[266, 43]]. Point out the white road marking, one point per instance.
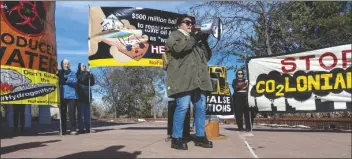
[[249, 147]]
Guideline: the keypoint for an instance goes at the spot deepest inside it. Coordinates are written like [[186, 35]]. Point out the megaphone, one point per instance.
[[214, 28]]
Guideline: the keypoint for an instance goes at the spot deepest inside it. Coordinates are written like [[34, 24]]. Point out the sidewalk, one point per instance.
[[147, 140]]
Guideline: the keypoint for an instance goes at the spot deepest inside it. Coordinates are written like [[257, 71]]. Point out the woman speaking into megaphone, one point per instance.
[[188, 79]]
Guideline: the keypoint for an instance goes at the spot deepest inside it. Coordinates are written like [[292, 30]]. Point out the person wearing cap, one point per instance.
[[85, 80], [186, 64], [68, 96]]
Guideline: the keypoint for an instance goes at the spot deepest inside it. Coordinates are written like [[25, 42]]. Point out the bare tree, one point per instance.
[[247, 27], [131, 90], [254, 28]]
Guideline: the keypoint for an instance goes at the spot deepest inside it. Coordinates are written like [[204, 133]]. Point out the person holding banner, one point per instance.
[[68, 96], [188, 79], [85, 80], [241, 108]]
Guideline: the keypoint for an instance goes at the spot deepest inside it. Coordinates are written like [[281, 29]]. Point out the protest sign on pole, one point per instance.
[[28, 53], [318, 80], [127, 36]]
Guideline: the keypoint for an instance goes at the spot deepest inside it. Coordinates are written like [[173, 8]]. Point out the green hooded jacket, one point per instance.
[[186, 64]]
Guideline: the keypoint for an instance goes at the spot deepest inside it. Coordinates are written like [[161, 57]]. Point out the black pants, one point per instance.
[[241, 108], [71, 105], [18, 113]]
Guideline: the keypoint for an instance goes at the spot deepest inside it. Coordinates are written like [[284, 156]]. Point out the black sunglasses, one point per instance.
[[187, 22]]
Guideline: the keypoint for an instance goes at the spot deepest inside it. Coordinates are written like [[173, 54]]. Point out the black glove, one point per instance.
[[201, 36]]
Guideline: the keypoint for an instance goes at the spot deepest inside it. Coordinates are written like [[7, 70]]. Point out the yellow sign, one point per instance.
[[28, 53], [219, 101], [113, 62], [218, 76], [27, 86]]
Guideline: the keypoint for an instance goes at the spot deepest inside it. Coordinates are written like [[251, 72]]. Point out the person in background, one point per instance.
[[188, 80], [18, 113], [85, 80], [240, 85], [68, 96]]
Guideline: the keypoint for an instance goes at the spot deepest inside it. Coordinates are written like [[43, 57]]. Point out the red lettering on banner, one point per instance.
[[307, 58], [287, 61], [332, 65], [327, 61], [345, 60]]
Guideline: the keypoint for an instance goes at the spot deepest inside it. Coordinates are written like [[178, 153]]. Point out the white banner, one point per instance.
[[318, 80]]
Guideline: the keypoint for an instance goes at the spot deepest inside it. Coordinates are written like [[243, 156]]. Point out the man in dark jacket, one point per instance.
[[85, 80], [68, 96], [188, 79]]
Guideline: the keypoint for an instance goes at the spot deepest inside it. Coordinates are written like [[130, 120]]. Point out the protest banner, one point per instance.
[[28, 53], [219, 101], [318, 80], [126, 36]]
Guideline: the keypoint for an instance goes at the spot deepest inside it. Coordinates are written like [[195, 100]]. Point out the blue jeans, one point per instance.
[[182, 104], [83, 116]]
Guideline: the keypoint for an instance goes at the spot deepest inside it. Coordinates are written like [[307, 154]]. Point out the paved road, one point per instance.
[[147, 140], [300, 144]]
